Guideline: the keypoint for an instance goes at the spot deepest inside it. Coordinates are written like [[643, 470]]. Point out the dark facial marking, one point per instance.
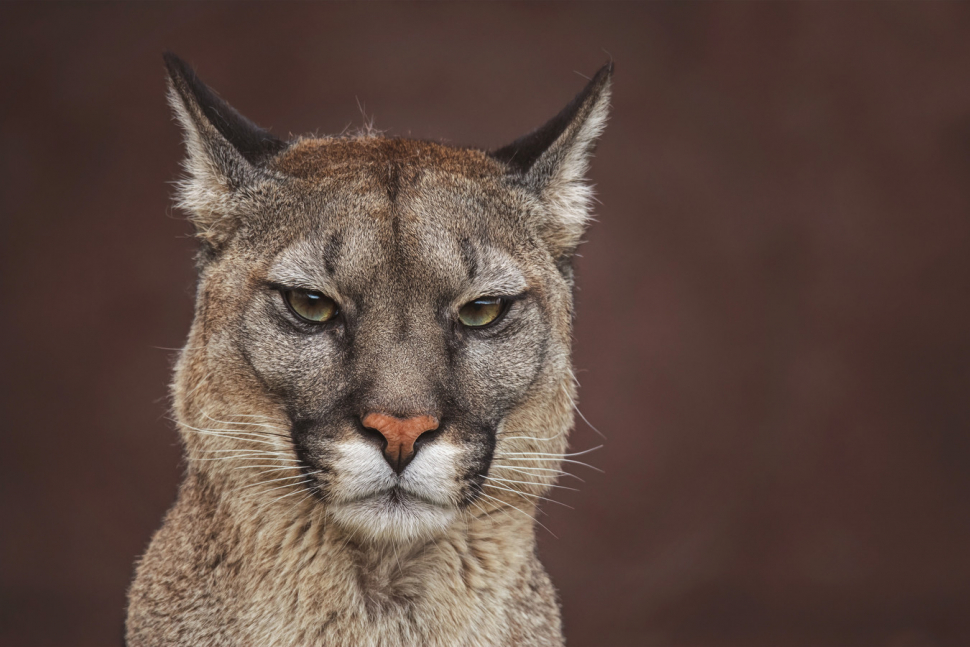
[[331, 252], [301, 431], [392, 181], [470, 255], [473, 478]]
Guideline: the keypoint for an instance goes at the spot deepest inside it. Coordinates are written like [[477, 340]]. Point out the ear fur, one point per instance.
[[552, 161], [224, 152]]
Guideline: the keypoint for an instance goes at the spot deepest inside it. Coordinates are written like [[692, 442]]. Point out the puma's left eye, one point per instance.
[[311, 305], [482, 312]]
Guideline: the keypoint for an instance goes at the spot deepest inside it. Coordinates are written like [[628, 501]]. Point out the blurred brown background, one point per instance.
[[773, 309]]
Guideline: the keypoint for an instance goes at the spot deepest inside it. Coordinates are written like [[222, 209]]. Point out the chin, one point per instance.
[[392, 516]]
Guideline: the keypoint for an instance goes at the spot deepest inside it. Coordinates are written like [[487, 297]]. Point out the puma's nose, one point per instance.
[[400, 434]]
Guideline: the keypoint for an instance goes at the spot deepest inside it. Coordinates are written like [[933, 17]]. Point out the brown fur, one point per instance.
[[289, 528]]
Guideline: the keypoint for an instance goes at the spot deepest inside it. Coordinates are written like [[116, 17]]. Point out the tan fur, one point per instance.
[[266, 544]]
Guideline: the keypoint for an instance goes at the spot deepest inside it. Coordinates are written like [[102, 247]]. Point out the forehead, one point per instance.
[[401, 182], [379, 157], [374, 206]]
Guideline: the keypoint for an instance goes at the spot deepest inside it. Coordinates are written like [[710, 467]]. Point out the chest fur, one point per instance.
[[304, 584]]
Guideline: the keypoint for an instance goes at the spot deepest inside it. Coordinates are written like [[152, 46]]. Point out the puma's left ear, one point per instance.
[[552, 161]]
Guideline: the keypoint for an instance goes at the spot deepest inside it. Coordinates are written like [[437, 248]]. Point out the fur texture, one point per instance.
[[290, 526]]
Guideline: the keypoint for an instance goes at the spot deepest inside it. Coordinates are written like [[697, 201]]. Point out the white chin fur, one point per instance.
[[420, 505], [387, 518]]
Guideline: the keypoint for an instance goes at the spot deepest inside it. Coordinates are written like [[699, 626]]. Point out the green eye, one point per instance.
[[482, 312], [311, 305]]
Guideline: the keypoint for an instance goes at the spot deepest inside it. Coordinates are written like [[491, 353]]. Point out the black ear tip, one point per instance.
[[177, 68], [605, 73], [206, 107]]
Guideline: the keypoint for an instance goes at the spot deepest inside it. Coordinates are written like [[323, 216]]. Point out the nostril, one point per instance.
[[372, 435], [426, 438]]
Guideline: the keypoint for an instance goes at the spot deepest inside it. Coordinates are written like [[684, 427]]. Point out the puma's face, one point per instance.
[[397, 317], [397, 312]]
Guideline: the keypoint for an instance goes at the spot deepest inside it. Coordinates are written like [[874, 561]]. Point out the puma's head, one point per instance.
[[382, 325]]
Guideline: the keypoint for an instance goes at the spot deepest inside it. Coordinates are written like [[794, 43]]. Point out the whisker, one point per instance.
[[564, 460], [244, 437], [548, 453], [572, 374], [588, 423], [248, 430], [484, 511], [560, 487], [503, 504], [531, 437], [204, 381], [279, 487], [252, 432], [250, 458], [233, 432], [308, 495], [284, 478], [521, 493], [521, 469], [255, 424], [284, 496], [243, 451], [247, 427], [258, 416]]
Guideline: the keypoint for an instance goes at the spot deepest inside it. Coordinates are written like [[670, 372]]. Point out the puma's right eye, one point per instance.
[[310, 305], [482, 312]]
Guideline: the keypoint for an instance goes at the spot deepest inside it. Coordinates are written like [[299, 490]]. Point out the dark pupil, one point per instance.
[[480, 312], [312, 305]]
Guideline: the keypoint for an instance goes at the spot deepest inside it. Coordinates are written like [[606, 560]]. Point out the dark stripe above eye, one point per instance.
[[331, 252], [470, 255]]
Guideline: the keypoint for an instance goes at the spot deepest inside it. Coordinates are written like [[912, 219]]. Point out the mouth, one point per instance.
[[394, 496]]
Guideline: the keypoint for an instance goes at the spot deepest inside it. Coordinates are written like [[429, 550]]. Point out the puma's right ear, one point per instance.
[[224, 152], [552, 161]]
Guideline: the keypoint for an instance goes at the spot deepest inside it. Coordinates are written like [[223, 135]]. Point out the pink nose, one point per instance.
[[400, 435]]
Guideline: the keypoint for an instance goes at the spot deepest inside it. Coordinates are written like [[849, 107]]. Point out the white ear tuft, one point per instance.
[[205, 193]]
